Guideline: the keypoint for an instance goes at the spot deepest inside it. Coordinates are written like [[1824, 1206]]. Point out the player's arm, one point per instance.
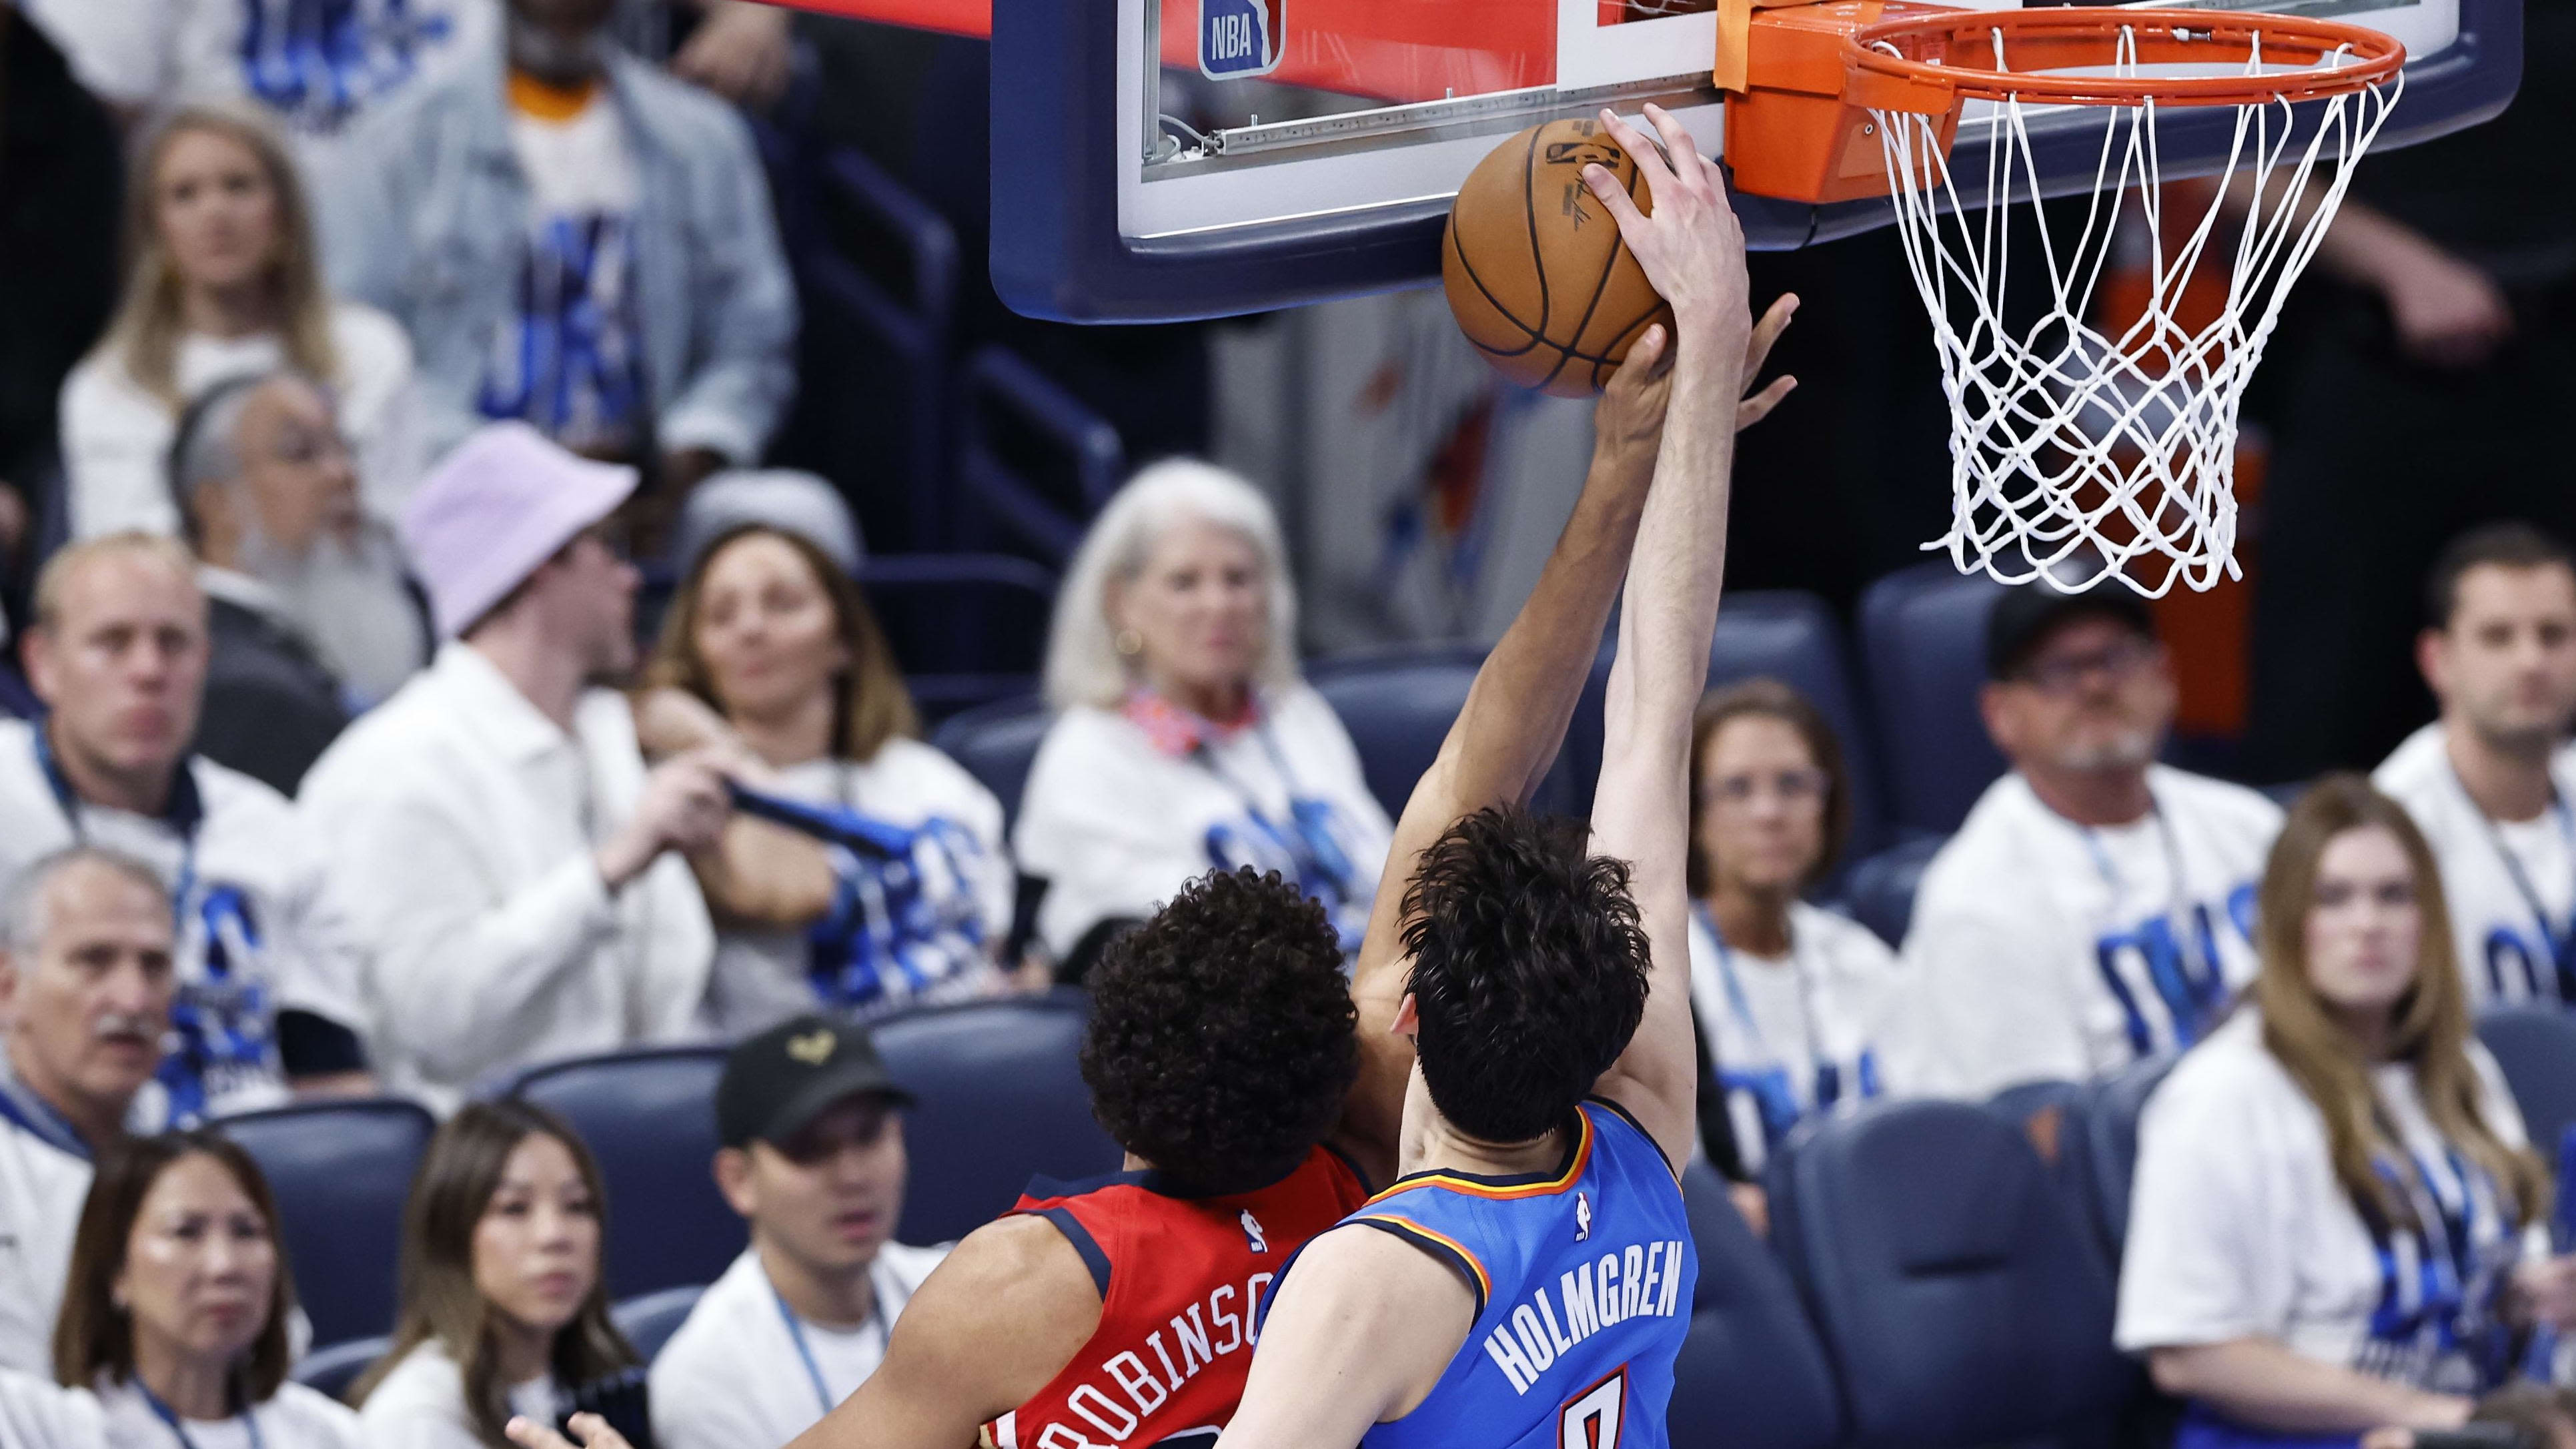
[[1693, 251], [1360, 1332], [991, 1325]]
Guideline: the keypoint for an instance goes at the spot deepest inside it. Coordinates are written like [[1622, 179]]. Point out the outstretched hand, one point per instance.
[[1691, 248], [1628, 423], [590, 1430]]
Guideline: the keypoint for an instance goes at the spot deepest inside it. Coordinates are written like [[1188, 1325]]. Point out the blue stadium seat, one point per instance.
[[1751, 1374], [331, 1370], [1923, 649], [1398, 704], [1952, 1283], [997, 743], [2536, 1047], [648, 1322], [650, 1118], [1001, 1100], [340, 1172], [2101, 1146], [968, 628], [1879, 891]]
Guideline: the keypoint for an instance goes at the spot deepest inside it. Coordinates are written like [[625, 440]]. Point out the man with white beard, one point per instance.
[[311, 615], [2095, 907]]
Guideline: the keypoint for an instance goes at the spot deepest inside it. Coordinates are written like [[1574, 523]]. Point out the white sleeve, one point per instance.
[[2203, 1262], [37, 1414], [1986, 1007], [119, 49], [115, 441]]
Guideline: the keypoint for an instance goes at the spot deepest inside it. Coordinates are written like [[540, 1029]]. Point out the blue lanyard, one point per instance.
[[35, 1116], [1320, 859], [1828, 1084], [804, 1351], [184, 814], [249, 1422], [2178, 914], [2550, 936]]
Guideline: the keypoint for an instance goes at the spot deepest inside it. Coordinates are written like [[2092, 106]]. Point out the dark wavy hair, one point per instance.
[[1221, 1043], [1529, 971]]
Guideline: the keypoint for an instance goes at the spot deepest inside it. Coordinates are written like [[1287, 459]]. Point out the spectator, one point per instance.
[[1187, 740], [178, 1309], [224, 281], [85, 990], [503, 1308], [1790, 999], [579, 242], [2499, 651], [813, 1157], [2095, 907], [269, 972], [268, 497], [495, 831], [2335, 1222], [772, 632]]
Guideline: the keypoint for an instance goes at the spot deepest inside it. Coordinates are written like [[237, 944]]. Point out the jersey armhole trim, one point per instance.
[[1630, 1118], [1367, 1189], [1083, 1243], [1439, 1245]]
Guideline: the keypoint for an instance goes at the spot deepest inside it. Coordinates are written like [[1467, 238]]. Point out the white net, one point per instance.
[[2075, 452]]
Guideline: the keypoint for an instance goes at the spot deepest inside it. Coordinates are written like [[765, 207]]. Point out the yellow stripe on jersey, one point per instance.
[[1473, 1188], [1475, 1265]]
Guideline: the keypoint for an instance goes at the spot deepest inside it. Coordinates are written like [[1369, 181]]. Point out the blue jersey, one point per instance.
[[1583, 1283]]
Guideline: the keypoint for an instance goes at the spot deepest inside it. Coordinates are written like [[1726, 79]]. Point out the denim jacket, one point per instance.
[[429, 219]]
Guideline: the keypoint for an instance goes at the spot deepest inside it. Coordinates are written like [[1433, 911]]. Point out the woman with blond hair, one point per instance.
[[2336, 1227], [1186, 740], [224, 280]]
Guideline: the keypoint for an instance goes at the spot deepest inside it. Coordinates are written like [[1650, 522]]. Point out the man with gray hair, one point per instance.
[[312, 616], [86, 985]]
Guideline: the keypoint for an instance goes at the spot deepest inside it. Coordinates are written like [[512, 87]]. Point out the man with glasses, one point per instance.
[[494, 829], [2095, 907]]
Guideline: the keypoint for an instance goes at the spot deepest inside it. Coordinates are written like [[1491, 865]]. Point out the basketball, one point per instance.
[[1536, 273]]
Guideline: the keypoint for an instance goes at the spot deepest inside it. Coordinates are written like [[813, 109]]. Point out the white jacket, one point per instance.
[[463, 823]]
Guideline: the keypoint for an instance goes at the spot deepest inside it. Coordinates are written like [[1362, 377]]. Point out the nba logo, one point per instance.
[[1240, 38]]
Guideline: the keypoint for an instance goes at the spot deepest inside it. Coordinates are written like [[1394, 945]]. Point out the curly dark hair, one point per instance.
[[1221, 1043], [1529, 971]]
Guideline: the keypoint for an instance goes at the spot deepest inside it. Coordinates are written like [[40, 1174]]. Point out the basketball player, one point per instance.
[[1527, 1281]]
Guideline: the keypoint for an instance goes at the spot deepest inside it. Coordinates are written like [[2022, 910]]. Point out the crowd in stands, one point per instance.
[[323, 792]]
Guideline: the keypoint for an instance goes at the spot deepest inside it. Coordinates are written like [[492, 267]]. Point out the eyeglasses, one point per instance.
[[2065, 676], [1793, 787]]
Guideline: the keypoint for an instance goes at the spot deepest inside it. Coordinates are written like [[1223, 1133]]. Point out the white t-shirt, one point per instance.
[[922, 929], [37, 1413], [421, 1404], [2508, 941], [569, 357], [295, 1417], [1791, 1030], [317, 68], [258, 931], [734, 1375], [2239, 1229], [42, 1189], [2044, 950], [116, 436], [1116, 822]]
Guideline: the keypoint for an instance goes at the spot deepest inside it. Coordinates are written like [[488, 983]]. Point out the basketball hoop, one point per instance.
[[2076, 454]]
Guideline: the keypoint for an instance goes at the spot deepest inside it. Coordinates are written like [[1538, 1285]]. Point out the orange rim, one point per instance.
[[1942, 58]]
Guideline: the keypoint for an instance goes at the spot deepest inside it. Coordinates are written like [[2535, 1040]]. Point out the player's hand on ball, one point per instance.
[[590, 1430], [1691, 248], [1628, 422]]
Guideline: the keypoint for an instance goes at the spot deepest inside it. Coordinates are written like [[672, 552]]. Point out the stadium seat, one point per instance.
[[1879, 891], [2536, 1047], [1001, 1100], [1398, 705], [649, 1117], [2101, 1143], [997, 743], [330, 1371], [340, 1172], [1952, 1283], [1751, 1374], [1923, 650], [968, 628], [648, 1322]]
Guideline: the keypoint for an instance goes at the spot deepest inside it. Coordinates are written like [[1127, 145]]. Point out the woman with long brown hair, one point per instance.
[[224, 279], [504, 1311], [2335, 1222], [176, 1308]]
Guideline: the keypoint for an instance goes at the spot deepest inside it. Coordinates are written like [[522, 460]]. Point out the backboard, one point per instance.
[[1203, 158]]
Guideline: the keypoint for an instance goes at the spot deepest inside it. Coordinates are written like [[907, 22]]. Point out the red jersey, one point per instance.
[[1180, 1278]]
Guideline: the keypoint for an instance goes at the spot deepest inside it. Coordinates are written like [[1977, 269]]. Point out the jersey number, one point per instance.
[[1591, 1419]]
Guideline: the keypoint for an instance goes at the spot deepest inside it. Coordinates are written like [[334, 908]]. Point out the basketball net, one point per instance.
[[2077, 454]]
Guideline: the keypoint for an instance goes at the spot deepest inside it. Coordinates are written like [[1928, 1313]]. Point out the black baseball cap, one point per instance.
[[777, 1082], [2028, 613]]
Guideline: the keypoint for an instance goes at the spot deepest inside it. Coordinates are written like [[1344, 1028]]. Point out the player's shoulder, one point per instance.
[[1020, 1264]]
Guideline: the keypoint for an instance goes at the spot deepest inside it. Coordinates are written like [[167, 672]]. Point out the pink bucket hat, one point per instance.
[[492, 510]]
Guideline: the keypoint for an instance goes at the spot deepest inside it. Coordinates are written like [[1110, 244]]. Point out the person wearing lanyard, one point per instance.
[[813, 1158], [1787, 997], [2487, 782], [177, 1310]]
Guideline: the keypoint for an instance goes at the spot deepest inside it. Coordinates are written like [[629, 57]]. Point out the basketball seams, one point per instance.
[[1600, 285], [1500, 310], [1529, 216]]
